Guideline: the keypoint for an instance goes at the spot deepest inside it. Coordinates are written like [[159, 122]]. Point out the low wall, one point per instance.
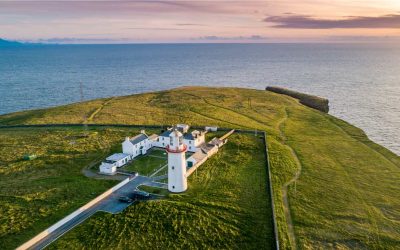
[[193, 168], [198, 164], [66, 125], [60, 223], [271, 192]]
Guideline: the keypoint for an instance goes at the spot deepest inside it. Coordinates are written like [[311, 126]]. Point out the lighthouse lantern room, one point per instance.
[[177, 181]]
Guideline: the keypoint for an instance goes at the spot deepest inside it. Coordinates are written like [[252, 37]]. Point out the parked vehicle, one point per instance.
[[140, 195], [125, 199]]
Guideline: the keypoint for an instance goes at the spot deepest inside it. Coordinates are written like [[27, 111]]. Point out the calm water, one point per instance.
[[362, 82]]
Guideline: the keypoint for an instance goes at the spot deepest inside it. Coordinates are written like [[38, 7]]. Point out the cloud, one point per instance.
[[233, 38], [190, 24], [114, 8], [153, 28], [352, 22], [364, 39]]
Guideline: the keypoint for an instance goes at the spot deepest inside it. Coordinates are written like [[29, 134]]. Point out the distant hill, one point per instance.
[[6, 43]]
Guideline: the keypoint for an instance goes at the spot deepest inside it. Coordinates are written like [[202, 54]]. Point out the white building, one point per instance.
[[177, 180], [193, 140], [205, 151], [110, 165], [163, 139], [211, 128], [138, 145], [183, 128]]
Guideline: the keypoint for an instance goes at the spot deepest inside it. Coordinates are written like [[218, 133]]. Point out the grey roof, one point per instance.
[[109, 161], [180, 129], [117, 157], [138, 138], [193, 135], [166, 133], [198, 156], [189, 136], [205, 147], [216, 141]]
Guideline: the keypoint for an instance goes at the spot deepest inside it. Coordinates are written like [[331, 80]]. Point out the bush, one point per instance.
[[311, 101]]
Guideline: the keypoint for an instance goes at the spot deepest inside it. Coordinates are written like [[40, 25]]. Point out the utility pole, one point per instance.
[[85, 127]]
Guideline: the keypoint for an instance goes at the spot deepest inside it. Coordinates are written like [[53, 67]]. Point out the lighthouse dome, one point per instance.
[[176, 133], [176, 142]]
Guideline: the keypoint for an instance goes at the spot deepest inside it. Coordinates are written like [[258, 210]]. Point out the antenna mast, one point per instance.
[[85, 127]]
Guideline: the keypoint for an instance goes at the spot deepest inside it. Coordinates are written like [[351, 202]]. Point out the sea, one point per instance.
[[361, 81]]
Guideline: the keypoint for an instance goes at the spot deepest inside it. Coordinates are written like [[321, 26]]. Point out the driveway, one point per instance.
[[109, 204]]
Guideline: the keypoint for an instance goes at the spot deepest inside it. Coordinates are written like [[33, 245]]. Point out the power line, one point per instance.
[[85, 127]]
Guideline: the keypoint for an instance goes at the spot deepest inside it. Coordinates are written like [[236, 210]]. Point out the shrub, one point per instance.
[[311, 101]]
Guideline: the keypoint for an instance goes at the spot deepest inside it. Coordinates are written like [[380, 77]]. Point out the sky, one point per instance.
[[170, 21]]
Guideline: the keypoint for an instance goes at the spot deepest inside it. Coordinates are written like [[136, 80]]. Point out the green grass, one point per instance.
[[226, 206], [147, 164], [154, 190], [35, 194], [347, 195]]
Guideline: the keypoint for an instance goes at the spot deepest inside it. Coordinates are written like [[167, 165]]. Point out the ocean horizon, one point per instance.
[[360, 80]]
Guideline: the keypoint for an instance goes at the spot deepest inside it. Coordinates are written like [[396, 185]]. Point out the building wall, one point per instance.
[[177, 181], [134, 149], [192, 145], [162, 142], [122, 162], [108, 168], [127, 147]]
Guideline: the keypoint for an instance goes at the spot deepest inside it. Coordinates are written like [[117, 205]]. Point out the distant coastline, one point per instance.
[[12, 43], [7, 43]]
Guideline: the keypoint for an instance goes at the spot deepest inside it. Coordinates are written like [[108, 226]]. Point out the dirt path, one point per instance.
[[91, 174], [94, 113], [229, 110], [286, 206]]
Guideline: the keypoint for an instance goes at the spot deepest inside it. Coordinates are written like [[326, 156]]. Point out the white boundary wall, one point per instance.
[[51, 229]]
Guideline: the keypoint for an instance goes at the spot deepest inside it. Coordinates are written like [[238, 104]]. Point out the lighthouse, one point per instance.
[[177, 181]]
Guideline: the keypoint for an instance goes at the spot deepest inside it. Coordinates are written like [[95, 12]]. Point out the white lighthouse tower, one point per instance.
[[177, 181]]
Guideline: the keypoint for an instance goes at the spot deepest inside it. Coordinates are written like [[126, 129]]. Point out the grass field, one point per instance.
[[149, 163], [35, 194], [226, 206], [347, 193], [154, 190]]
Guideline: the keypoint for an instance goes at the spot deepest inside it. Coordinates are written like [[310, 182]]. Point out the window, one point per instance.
[[172, 167], [173, 187], [190, 142], [170, 141]]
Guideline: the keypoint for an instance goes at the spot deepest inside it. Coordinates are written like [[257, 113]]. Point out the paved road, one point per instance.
[[157, 184], [160, 177], [108, 204]]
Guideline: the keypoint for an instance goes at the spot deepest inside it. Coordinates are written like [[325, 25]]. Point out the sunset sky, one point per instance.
[[200, 21]]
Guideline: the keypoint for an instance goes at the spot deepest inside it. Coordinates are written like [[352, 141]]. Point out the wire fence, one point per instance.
[[271, 191]]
